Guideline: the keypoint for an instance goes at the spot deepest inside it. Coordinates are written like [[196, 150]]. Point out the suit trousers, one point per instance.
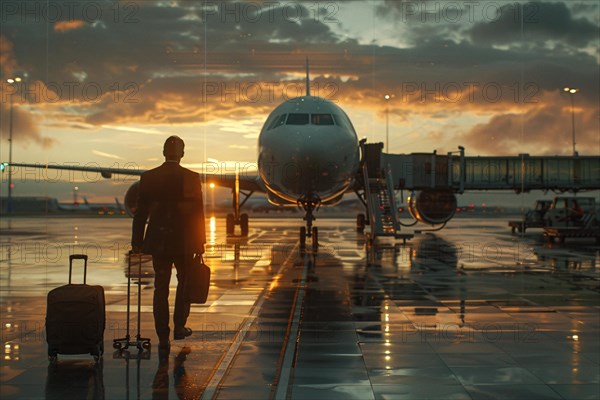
[[162, 277]]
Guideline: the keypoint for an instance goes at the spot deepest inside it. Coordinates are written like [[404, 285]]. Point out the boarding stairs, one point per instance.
[[379, 194]]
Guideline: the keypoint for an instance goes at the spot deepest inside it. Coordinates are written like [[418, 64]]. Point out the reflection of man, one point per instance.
[[183, 388], [171, 197]]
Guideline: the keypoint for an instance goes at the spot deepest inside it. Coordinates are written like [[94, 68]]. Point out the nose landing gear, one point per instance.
[[309, 231]]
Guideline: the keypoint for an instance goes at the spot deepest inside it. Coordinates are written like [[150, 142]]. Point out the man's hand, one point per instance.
[[136, 249]]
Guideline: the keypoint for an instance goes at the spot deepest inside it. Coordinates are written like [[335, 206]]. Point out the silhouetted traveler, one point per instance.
[[171, 197]]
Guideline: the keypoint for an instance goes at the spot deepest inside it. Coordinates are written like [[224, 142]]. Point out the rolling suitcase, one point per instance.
[[75, 317]]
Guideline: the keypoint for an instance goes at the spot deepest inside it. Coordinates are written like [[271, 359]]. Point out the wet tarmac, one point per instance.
[[470, 312]]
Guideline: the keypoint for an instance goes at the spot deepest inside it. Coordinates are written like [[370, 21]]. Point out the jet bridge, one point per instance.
[[522, 173], [436, 177]]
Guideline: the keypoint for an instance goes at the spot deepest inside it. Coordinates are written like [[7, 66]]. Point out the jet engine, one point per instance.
[[432, 206], [131, 199]]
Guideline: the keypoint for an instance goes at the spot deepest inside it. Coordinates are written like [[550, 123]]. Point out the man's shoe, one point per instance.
[[181, 333]]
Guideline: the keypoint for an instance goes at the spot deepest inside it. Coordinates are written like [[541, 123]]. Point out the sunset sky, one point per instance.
[[106, 82]]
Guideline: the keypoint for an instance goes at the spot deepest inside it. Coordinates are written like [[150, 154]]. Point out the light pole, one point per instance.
[[212, 198], [387, 122], [571, 92], [11, 81]]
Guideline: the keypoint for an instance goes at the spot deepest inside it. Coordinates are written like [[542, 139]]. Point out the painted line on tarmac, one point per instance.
[[292, 340], [211, 389]]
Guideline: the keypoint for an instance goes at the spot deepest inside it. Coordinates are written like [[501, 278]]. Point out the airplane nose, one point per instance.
[[304, 161], [312, 154], [324, 160]]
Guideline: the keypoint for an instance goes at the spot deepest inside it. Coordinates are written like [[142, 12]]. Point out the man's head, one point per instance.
[[173, 148]]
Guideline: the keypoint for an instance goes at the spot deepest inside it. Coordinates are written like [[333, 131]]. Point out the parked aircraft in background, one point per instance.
[[115, 208]]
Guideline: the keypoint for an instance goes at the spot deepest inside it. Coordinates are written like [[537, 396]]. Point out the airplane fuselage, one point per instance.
[[307, 151]]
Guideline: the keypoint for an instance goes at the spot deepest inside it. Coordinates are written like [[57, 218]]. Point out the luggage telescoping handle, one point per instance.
[[83, 257], [139, 285]]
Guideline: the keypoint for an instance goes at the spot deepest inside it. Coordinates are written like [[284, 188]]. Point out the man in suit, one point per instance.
[[170, 198]]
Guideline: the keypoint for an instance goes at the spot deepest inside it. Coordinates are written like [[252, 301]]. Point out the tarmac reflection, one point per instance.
[[181, 382], [81, 380], [469, 312]]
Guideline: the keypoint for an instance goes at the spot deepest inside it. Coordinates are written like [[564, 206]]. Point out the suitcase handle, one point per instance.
[[83, 257]]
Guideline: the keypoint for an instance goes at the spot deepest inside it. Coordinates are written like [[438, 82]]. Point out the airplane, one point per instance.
[[115, 208], [308, 157], [105, 208]]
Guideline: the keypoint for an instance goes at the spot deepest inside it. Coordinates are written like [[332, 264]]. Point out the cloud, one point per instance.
[[527, 24], [543, 130], [175, 65], [64, 26], [541, 22], [7, 59], [136, 130], [107, 155], [25, 126]]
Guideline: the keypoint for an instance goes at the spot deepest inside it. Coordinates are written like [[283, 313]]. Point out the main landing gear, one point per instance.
[[309, 231], [236, 218], [231, 222]]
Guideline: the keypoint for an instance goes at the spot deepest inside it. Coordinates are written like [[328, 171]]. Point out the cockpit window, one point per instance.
[[278, 121], [339, 120], [297, 119], [321, 119], [343, 121]]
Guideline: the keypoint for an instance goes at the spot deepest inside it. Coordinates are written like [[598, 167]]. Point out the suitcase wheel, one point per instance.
[[143, 345], [98, 351], [52, 356]]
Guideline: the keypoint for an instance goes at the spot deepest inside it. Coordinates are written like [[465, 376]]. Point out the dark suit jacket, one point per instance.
[[171, 197]]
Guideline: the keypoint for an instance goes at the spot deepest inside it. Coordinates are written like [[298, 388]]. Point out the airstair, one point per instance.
[[379, 194]]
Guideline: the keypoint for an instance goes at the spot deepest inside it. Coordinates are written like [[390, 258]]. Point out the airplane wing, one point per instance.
[[251, 183]]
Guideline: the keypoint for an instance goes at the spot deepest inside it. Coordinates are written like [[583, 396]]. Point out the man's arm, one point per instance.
[[195, 232]]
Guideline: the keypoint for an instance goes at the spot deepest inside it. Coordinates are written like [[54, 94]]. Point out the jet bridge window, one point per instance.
[[278, 121], [297, 119], [321, 119]]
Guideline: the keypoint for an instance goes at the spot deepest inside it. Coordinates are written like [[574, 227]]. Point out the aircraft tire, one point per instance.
[[315, 238], [230, 224], [244, 224], [360, 222]]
